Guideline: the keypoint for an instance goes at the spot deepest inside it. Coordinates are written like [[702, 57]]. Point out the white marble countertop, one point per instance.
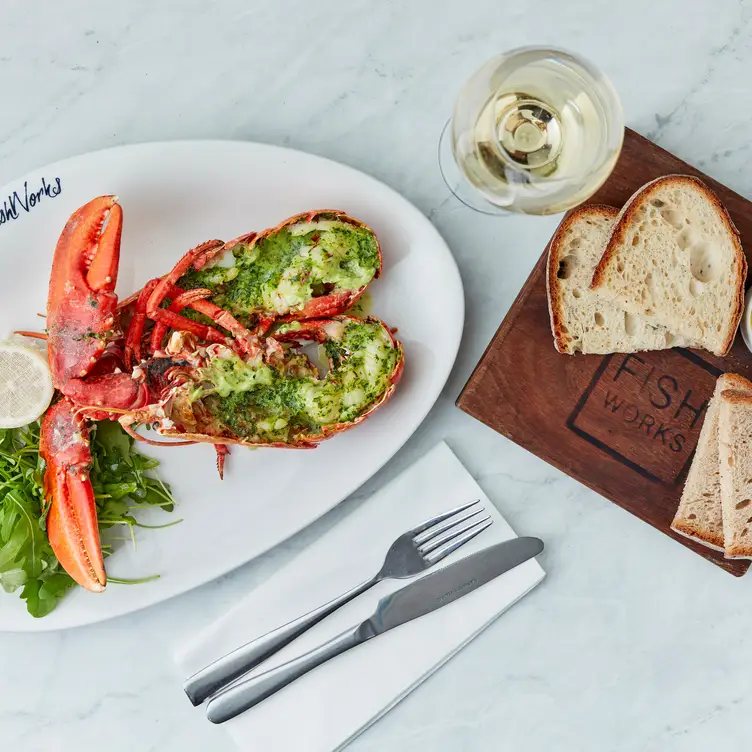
[[632, 643]]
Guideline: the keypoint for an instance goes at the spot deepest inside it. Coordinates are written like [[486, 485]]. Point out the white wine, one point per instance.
[[536, 131]]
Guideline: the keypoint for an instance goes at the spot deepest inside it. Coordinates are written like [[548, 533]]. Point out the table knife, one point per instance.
[[417, 599]]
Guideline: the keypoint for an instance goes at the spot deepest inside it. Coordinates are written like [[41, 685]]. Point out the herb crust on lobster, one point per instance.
[[212, 352]]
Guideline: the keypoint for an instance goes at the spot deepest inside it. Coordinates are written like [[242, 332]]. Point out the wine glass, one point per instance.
[[534, 130]]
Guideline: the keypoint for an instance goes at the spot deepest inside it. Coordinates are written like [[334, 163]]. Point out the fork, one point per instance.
[[411, 553]]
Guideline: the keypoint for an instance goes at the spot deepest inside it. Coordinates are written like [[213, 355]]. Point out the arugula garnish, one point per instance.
[[123, 479]]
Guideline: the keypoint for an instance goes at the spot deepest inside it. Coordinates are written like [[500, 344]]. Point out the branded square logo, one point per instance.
[[646, 410]]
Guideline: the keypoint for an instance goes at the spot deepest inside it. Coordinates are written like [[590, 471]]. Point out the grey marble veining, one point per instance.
[[632, 644]]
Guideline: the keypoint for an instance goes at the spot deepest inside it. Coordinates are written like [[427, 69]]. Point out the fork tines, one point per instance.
[[445, 533]]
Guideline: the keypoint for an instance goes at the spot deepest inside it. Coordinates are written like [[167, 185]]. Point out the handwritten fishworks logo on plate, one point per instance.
[[23, 200], [646, 410]]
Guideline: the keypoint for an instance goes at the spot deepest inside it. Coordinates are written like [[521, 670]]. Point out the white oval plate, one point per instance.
[[175, 195]]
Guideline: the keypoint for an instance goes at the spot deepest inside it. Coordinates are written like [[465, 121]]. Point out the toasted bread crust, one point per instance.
[[562, 340], [624, 221], [728, 383], [698, 534], [739, 552], [736, 382], [734, 397]]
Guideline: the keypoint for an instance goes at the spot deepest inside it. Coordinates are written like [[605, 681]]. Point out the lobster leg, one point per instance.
[[183, 300], [196, 257], [150, 299], [325, 306], [317, 331], [33, 335], [72, 518], [135, 332], [246, 342], [174, 320], [316, 308], [222, 451]]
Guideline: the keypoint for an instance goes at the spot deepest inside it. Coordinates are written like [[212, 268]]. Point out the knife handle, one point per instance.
[[249, 692], [229, 667]]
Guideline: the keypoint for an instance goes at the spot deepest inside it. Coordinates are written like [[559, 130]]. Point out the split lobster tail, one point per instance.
[[232, 370], [72, 515]]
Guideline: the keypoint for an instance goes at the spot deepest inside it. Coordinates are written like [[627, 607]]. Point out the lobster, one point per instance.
[[201, 360]]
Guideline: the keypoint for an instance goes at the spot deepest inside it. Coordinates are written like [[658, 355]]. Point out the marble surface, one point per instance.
[[631, 644]]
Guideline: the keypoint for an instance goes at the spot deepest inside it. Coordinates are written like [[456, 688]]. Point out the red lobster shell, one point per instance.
[[90, 360]]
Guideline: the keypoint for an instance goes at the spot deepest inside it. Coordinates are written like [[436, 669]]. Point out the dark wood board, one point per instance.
[[624, 425]]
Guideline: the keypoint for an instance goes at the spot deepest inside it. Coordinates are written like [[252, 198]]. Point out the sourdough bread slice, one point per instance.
[[735, 454], [699, 515], [582, 321], [674, 256]]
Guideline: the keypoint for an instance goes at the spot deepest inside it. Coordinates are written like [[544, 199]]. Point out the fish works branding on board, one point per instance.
[[647, 414]]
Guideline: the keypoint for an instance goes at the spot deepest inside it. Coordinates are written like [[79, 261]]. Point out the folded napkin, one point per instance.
[[328, 707]]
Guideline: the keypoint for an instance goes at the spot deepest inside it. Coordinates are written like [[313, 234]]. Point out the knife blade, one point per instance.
[[427, 594]]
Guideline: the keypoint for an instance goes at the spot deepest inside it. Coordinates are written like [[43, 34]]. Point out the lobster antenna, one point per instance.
[[129, 430]]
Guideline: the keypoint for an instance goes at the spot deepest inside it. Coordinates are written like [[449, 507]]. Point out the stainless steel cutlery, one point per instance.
[[414, 600], [411, 553]]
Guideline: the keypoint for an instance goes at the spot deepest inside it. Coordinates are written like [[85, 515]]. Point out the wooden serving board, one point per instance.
[[624, 425]]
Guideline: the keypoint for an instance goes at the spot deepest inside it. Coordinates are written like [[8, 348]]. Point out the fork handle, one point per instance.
[[222, 672], [249, 692]]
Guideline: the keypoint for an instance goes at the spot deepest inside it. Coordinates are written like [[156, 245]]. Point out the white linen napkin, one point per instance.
[[328, 707]]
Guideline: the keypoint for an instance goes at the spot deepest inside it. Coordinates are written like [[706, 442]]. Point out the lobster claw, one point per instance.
[[81, 304], [72, 517]]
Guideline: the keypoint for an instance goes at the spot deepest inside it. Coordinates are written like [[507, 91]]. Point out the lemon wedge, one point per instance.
[[25, 384]]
